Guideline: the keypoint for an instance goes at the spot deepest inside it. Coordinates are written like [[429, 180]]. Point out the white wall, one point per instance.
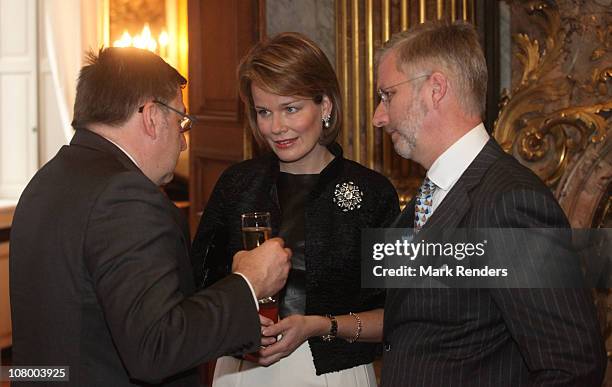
[[52, 135], [18, 95], [42, 44], [63, 26]]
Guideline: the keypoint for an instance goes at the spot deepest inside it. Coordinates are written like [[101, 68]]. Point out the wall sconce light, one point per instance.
[[159, 26]]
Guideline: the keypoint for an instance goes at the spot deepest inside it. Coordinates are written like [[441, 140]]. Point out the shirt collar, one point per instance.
[[122, 150], [451, 164]]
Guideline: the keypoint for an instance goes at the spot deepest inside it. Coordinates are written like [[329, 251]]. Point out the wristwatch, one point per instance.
[[333, 329]]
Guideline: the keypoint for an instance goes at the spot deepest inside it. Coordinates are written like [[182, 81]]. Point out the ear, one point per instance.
[[439, 88], [150, 120], [326, 106]]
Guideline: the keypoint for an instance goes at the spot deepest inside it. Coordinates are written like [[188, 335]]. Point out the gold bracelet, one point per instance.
[[354, 338]]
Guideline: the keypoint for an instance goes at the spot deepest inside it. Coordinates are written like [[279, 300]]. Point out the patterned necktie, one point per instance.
[[423, 206]]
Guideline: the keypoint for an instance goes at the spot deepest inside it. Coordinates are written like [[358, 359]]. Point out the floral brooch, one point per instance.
[[348, 196]]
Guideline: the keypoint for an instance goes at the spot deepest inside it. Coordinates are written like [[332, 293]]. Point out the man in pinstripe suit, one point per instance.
[[432, 84]]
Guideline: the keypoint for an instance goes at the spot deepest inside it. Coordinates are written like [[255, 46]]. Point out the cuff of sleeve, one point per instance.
[[250, 287]]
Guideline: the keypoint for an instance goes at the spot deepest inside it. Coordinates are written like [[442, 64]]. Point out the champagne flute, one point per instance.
[[256, 229]]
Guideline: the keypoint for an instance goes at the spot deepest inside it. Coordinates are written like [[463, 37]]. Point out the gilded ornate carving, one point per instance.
[[557, 118], [537, 122]]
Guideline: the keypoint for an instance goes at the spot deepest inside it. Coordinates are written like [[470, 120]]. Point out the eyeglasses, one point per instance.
[[386, 94], [186, 120]]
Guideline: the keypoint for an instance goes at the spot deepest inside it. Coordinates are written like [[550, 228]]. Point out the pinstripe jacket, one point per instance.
[[492, 337]]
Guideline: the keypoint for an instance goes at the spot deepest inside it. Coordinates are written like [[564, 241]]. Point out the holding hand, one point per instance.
[[266, 340], [294, 330]]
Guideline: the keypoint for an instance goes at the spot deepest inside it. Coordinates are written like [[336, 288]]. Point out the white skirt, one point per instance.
[[296, 369]]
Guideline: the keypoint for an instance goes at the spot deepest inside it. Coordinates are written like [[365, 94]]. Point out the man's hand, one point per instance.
[[266, 267]]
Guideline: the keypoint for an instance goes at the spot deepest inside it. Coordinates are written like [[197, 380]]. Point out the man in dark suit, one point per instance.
[[432, 83], [101, 280]]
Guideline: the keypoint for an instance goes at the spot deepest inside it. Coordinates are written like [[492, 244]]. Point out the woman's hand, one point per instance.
[[266, 340], [294, 330]]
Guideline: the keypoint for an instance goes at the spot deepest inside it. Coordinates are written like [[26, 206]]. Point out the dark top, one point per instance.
[[292, 193], [101, 279], [332, 251]]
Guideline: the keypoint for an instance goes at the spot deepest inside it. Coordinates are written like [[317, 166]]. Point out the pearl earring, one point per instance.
[[326, 120]]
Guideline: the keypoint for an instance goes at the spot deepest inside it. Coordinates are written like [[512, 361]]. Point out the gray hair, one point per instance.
[[452, 48]]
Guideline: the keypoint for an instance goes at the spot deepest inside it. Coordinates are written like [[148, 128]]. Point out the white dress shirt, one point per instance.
[[451, 164], [123, 150]]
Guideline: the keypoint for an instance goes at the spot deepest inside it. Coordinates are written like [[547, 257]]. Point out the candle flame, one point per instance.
[[144, 40]]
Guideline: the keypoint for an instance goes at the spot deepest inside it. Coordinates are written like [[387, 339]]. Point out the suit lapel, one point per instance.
[[457, 202], [452, 209], [448, 214]]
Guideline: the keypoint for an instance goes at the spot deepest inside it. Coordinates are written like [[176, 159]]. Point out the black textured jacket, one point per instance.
[[332, 240]]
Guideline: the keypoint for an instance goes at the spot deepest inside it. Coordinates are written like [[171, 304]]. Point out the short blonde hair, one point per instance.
[[450, 47], [290, 64]]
